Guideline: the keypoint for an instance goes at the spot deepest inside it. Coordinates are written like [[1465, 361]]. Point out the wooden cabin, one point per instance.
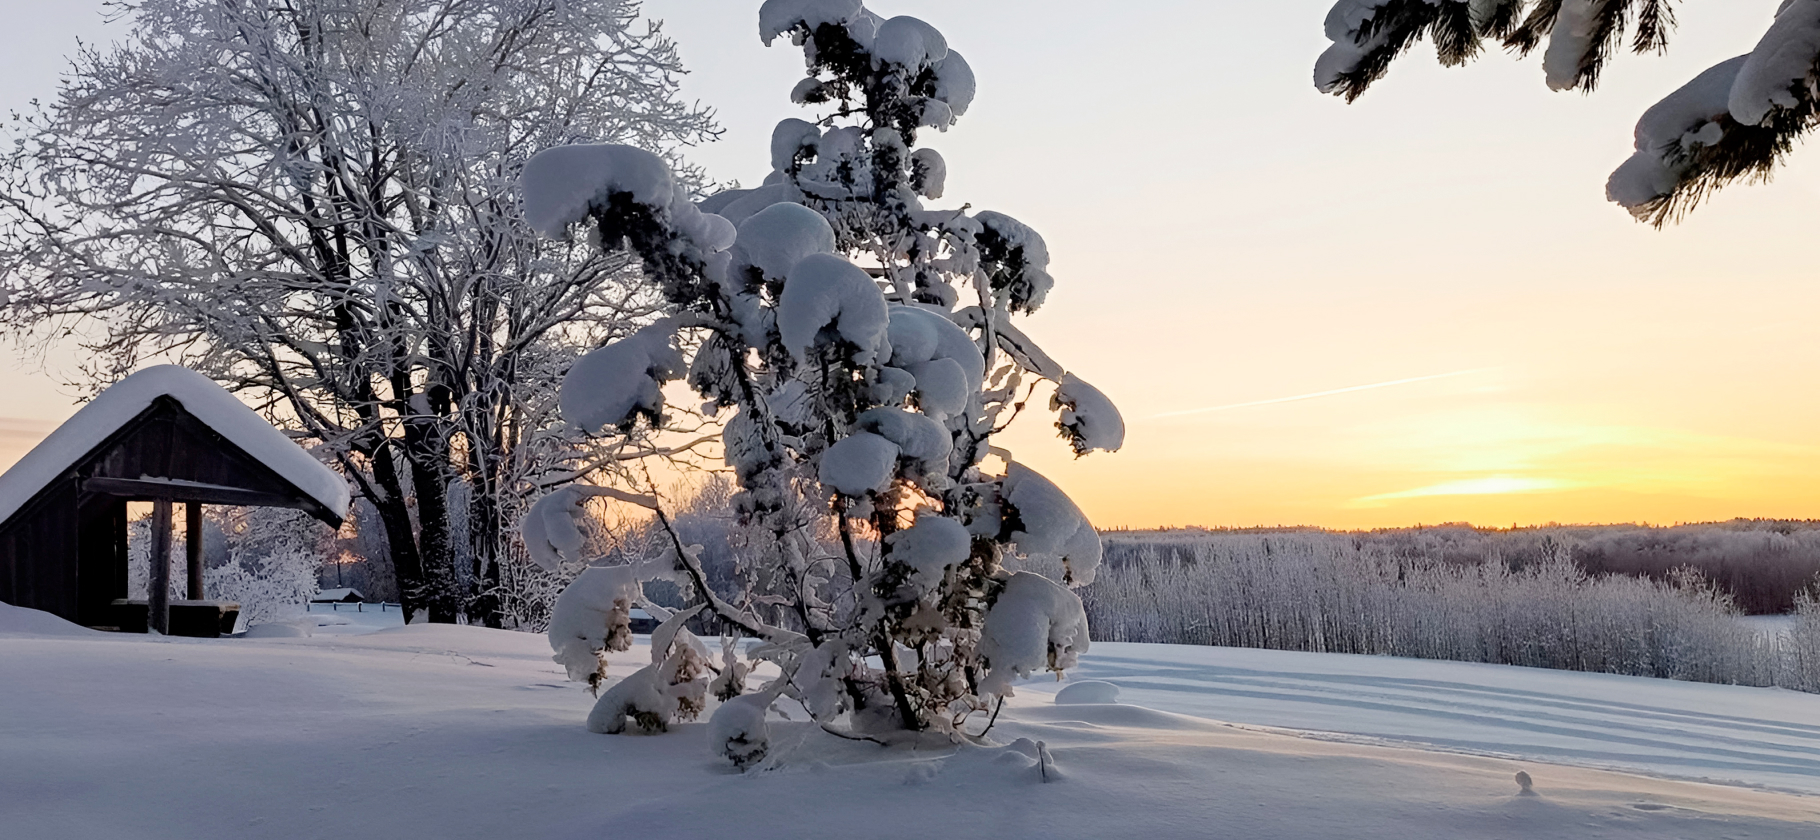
[[166, 435]]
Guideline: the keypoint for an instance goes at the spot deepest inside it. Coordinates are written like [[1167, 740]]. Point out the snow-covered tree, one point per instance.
[[312, 201], [1738, 119], [862, 351]]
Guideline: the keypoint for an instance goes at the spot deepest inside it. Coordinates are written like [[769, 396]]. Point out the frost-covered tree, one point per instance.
[[1738, 119], [862, 350], [313, 202]]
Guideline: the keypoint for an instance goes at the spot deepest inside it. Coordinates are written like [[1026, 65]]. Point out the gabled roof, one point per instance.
[[203, 399], [345, 594]]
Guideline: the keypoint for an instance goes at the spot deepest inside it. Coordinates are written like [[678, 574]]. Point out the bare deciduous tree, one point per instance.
[[311, 201]]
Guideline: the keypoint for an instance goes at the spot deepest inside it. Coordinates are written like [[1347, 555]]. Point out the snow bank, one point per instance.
[[1035, 625], [1052, 524], [561, 185], [200, 396], [23, 621], [1087, 692], [622, 381], [1381, 748], [825, 290], [277, 630]]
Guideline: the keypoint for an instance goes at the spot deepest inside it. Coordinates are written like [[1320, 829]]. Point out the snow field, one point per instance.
[[445, 731]]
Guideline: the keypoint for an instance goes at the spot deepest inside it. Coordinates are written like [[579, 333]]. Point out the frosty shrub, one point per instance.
[[268, 559], [1337, 593], [1803, 643], [1739, 119], [860, 351]]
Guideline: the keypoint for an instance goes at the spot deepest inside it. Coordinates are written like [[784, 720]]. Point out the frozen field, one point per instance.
[[456, 732]]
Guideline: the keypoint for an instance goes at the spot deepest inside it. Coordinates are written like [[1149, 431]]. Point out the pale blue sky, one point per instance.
[[1224, 235]]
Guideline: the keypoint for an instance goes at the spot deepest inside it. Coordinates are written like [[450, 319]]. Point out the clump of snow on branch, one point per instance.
[[928, 173], [1782, 65], [775, 239], [779, 17], [1088, 419], [826, 291], [619, 383], [564, 184], [908, 42], [593, 616], [858, 464], [1087, 692], [673, 687], [737, 731], [1035, 625], [918, 437], [1683, 121], [1576, 32], [554, 528], [1018, 257], [1736, 120], [1049, 523], [929, 547]]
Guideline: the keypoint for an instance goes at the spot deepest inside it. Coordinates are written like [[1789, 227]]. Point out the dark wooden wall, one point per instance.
[[37, 552], [167, 442], [100, 559]]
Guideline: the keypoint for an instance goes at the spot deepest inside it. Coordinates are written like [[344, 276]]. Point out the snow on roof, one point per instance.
[[346, 593], [200, 396]]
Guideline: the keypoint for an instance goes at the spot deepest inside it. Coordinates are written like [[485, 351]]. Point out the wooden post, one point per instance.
[[192, 547], [158, 601]]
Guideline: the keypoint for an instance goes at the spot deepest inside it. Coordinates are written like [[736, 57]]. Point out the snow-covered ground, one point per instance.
[[1770, 625], [453, 732]]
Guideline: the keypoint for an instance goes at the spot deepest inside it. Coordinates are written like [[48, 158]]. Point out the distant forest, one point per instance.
[[1761, 563]]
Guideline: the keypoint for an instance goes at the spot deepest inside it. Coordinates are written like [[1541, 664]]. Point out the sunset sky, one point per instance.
[[1414, 309]]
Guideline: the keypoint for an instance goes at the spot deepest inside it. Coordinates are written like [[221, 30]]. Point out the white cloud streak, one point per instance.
[[1319, 394]]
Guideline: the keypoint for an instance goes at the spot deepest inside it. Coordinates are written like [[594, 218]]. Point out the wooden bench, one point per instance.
[[195, 619]]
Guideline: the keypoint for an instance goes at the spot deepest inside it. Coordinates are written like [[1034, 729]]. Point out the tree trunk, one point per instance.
[[485, 543], [401, 539], [438, 557]]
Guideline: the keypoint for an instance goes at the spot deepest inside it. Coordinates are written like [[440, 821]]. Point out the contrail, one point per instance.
[[1319, 394]]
